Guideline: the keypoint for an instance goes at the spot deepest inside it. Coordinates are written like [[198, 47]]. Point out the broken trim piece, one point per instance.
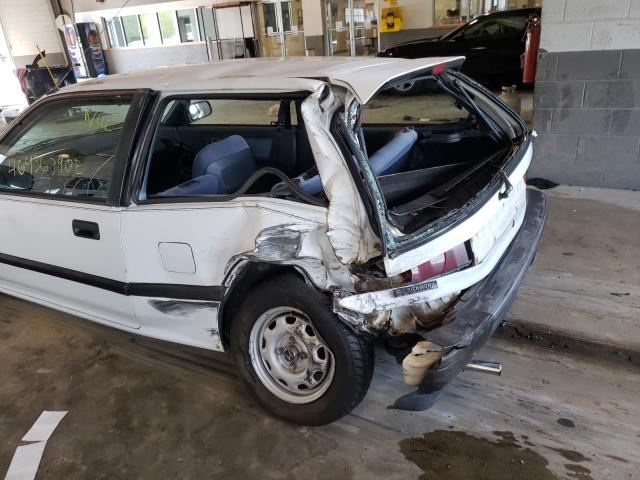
[[470, 323]]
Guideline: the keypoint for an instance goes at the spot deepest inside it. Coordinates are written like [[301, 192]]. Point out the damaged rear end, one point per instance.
[[458, 227]]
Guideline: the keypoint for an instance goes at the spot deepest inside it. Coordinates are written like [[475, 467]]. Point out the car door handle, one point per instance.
[[84, 229], [479, 48]]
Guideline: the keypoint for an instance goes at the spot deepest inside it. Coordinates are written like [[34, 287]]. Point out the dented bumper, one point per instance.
[[480, 310]]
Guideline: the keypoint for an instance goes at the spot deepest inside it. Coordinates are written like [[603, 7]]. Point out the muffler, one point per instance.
[[484, 366]]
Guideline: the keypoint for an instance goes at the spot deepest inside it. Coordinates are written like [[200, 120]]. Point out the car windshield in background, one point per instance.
[[65, 147]]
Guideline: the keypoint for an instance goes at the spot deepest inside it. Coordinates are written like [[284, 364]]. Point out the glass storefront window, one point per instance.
[[269, 15], [154, 29], [169, 28], [115, 32], [208, 24], [132, 31], [188, 25], [150, 29]]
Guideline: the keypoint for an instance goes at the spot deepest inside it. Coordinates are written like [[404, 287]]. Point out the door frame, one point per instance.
[[133, 125]]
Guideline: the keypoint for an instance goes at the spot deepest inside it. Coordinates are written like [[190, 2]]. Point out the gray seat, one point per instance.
[[388, 159], [220, 168]]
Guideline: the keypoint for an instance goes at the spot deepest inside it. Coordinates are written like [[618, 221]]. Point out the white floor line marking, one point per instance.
[[25, 462], [44, 426]]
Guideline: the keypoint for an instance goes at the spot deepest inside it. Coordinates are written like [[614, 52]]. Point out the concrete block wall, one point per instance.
[[587, 95]]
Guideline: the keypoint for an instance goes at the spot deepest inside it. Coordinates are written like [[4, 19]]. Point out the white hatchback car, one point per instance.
[[286, 211]]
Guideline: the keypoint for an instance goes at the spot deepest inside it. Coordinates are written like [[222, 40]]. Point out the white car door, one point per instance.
[[61, 176]]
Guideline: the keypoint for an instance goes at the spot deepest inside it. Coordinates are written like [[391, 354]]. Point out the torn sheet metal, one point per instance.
[[351, 236], [303, 245]]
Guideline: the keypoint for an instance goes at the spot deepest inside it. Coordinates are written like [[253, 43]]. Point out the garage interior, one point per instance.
[[566, 403]]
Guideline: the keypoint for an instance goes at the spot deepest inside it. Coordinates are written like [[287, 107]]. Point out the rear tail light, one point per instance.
[[443, 263]]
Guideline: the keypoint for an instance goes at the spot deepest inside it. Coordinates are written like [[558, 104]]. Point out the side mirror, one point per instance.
[[199, 109]]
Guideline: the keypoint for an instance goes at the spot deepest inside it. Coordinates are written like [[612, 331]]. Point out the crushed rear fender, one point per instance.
[[481, 308]]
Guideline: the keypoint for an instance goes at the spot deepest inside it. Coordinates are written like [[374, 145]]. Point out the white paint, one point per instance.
[[44, 426], [41, 231], [25, 461], [363, 76], [451, 283], [463, 231], [216, 232], [177, 257]]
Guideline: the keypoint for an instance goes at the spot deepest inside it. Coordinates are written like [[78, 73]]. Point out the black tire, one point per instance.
[[353, 355]]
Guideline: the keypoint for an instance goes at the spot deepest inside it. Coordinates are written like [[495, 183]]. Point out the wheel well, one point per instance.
[[252, 274]]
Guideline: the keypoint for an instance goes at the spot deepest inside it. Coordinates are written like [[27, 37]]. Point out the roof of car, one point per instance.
[[362, 75]]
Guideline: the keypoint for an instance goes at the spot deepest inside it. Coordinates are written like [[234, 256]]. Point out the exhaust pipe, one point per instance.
[[484, 366]]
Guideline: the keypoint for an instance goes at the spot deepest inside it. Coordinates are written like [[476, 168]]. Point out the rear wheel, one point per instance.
[[299, 360]]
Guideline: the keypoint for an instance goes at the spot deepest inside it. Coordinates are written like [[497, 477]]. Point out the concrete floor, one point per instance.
[[585, 282], [143, 409], [139, 412]]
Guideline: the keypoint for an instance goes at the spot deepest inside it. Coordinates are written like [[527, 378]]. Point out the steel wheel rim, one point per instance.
[[289, 356], [405, 86]]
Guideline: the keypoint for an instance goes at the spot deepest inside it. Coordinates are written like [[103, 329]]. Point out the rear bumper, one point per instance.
[[474, 318]]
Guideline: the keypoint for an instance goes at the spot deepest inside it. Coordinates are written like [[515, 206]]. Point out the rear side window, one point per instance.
[[208, 147], [65, 148], [222, 112]]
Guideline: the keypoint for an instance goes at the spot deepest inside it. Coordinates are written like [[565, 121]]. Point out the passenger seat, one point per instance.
[[220, 168]]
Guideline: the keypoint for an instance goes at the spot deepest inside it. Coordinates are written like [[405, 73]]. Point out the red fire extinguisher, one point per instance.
[[530, 55]]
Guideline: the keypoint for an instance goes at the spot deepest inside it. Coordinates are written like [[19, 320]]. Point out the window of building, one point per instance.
[[169, 28], [132, 30], [208, 24], [115, 32], [65, 147], [150, 29], [154, 29], [188, 25]]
